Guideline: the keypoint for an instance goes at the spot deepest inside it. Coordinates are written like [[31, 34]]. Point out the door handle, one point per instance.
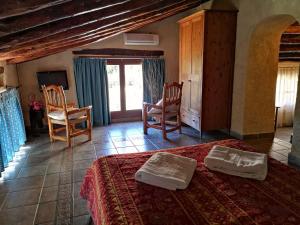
[[189, 80]]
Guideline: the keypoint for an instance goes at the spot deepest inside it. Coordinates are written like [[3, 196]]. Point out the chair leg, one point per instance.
[[90, 135], [145, 120], [163, 125], [68, 133], [179, 124], [50, 130], [165, 135], [145, 128], [90, 132], [89, 125]]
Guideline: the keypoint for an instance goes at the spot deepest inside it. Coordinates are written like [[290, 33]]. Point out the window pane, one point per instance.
[[113, 74], [134, 86]]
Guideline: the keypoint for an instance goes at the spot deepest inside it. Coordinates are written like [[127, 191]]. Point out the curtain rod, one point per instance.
[[118, 57]]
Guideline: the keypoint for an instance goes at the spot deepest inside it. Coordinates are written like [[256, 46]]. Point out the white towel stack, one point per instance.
[[167, 171], [237, 162]]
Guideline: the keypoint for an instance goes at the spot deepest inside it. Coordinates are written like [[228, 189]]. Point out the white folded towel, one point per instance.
[[167, 170], [237, 162]]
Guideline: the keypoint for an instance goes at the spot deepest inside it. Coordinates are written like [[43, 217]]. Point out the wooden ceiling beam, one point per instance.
[[64, 41], [294, 40], [67, 41], [284, 47], [56, 49], [289, 55], [93, 28], [16, 7], [292, 59], [290, 35], [294, 28], [58, 12], [83, 38], [84, 23]]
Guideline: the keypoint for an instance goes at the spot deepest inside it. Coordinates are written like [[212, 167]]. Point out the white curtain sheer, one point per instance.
[[286, 91]]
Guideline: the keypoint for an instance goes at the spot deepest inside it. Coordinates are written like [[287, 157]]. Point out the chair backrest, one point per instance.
[[172, 94], [55, 98]]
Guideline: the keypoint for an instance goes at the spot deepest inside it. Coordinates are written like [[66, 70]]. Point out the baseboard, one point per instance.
[[251, 136]]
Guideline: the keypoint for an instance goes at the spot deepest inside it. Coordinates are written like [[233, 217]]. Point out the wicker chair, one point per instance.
[[67, 116]]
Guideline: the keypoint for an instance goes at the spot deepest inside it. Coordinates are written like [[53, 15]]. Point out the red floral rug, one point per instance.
[[114, 197]]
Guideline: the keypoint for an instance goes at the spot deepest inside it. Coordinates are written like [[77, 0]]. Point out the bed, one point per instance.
[[114, 197]]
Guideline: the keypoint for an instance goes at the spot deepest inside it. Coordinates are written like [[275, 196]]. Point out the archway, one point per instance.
[[260, 84]]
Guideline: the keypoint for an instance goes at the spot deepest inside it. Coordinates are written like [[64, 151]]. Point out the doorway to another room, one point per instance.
[[286, 92], [287, 83], [125, 81]]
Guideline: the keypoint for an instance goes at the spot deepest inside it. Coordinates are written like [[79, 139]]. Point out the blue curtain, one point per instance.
[[154, 78], [92, 88], [12, 130]]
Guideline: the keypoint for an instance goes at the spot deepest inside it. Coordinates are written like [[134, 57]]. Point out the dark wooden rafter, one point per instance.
[[294, 28], [89, 22], [79, 33], [16, 7], [287, 47], [290, 44], [290, 38], [48, 28], [54, 48], [289, 59], [119, 52], [289, 54], [55, 13], [135, 24], [142, 18]]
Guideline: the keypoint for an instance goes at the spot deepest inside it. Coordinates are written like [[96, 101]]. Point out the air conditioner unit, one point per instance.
[[141, 39]]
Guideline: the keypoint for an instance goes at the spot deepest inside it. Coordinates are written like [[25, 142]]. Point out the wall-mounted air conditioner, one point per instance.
[[141, 39]]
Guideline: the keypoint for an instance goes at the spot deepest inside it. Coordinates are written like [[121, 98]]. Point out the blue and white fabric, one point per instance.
[[12, 129]]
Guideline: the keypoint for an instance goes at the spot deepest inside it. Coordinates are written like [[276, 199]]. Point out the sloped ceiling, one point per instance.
[[290, 44], [31, 29]]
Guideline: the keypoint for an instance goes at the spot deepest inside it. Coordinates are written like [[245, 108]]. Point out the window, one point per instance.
[[125, 81]]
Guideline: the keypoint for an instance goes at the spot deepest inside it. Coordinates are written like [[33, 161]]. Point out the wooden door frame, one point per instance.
[[123, 115]]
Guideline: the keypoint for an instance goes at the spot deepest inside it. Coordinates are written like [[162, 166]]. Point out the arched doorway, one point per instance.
[[261, 76], [260, 82], [287, 80]]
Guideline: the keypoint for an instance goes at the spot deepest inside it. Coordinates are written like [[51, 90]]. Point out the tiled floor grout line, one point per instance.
[[153, 144], [40, 195], [3, 203]]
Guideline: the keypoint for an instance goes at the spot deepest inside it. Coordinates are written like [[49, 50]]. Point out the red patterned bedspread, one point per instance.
[[114, 197]]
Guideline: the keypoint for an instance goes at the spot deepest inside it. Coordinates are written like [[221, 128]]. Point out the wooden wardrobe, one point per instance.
[[207, 55]]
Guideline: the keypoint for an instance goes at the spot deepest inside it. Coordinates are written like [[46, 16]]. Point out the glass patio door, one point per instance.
[[125, 81]]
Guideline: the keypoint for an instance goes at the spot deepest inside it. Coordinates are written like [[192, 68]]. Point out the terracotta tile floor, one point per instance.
[[41, 185]]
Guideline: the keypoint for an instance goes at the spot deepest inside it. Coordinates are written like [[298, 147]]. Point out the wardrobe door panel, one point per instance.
[[218, 69], [197, 64], [185, 61]]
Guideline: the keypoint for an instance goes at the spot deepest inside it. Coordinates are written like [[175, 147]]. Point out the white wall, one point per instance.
[[9, 76]]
